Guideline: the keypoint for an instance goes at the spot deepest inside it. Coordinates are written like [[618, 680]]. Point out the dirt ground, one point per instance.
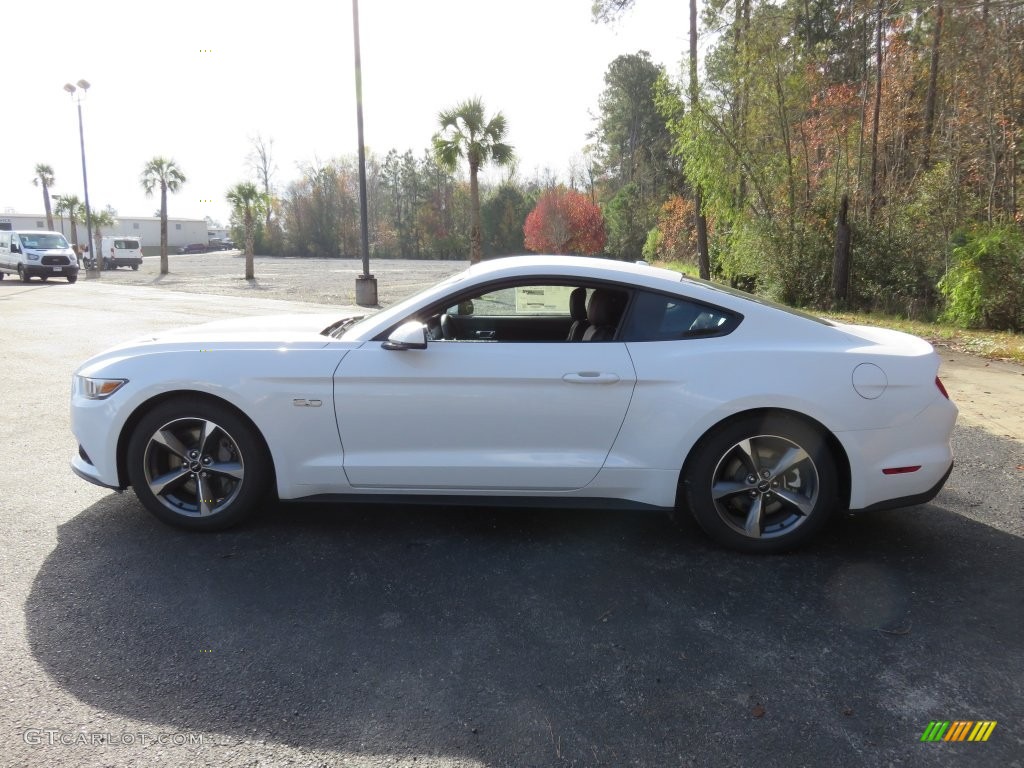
[[989, 393]]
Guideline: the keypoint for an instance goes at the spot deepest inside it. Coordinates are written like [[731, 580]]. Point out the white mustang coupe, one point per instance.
[[553, 381]]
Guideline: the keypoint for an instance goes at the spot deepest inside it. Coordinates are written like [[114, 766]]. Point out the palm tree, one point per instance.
[[44, 179], [466, 132], [73, 208], [165, 174], [248, 203], [101, 220]]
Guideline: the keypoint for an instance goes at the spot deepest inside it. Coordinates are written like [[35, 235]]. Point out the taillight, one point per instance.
[[942, 389]]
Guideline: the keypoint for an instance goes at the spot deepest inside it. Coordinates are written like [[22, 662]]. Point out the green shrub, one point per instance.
[[984, 288]]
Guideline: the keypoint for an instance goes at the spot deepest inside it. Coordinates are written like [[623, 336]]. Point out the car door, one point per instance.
[[481, 415]]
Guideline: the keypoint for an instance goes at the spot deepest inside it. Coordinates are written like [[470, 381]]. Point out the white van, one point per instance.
[[121, 251], [36, 253]]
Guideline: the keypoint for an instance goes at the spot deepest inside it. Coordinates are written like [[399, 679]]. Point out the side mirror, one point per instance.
[[411, 335], [15, 248]]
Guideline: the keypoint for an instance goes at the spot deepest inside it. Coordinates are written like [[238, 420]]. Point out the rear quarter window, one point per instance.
[[659, 317]]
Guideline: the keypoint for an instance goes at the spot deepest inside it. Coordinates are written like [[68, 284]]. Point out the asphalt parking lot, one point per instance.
[[409, 636]]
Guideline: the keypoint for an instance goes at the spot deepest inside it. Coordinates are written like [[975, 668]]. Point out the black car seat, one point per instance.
[[603, 313], [578, 310]]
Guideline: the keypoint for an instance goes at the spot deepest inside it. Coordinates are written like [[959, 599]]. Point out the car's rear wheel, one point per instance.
[[72, 278], [135, 267], [761, 484], [196, 464]]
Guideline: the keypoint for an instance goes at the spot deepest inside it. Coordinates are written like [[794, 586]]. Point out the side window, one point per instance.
[[657, 317], [531, 312]]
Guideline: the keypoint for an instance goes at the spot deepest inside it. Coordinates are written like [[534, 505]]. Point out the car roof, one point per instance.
[[572, 266]]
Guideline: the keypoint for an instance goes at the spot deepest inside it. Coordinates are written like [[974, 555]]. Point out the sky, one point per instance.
[[195, 81]]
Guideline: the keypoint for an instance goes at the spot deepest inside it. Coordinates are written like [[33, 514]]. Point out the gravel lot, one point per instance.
[[321, 281], [406, 636]]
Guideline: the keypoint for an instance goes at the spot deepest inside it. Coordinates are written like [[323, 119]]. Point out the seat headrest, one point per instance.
[[578, 304], [605, 306]]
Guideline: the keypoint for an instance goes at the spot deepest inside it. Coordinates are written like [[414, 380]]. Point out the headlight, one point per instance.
[[99, 389], [33, 256]]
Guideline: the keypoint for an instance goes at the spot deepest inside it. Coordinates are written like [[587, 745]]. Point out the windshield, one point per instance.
[[43, 241], [398, 310]]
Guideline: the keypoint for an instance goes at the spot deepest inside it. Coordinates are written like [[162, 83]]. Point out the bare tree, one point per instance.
[[879, 36], [703, 257], [933, 76], [261, 161]]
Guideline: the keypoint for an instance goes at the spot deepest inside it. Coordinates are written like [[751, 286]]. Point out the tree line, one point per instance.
[[857, 153], [860, 153]]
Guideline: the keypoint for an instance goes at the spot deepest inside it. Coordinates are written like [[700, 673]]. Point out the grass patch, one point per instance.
[[995, 345]]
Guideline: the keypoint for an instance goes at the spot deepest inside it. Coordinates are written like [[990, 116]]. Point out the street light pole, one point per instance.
[[84, 85], [366, 284]]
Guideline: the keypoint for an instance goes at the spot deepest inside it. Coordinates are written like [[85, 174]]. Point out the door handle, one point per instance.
[[485, 334], [590, 377]]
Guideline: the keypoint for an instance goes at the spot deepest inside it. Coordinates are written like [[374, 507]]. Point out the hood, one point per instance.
[[270, 329]]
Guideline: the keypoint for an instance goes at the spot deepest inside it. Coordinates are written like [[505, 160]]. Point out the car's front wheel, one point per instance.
[[197, 464], [761, 484]]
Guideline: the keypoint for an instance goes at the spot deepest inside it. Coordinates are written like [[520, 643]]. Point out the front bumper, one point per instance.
[[50, 270], [87, 471]]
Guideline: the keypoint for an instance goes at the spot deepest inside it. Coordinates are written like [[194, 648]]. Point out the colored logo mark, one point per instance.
[[958, 730]]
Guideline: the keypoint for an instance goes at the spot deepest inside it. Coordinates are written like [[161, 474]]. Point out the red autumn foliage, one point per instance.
[[565, 222], [678, 226]]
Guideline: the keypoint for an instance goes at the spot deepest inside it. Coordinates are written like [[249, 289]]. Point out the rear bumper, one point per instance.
[[911, 501], [922, 442]]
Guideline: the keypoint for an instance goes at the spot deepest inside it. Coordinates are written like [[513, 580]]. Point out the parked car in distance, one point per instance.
[[121, 251], [194, 248], [218, 244], [544, 381]]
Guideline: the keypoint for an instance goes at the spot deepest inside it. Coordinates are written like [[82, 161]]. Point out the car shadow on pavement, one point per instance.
[[532, 637]]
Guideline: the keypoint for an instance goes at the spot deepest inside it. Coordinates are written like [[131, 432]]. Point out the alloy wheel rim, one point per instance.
[[193, 466], [765, 487]]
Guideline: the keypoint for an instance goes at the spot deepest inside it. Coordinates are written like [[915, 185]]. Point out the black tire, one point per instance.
[[72, 278], [44, 278], [761, 484], [22, 274], [135, 267], [225, 459]]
